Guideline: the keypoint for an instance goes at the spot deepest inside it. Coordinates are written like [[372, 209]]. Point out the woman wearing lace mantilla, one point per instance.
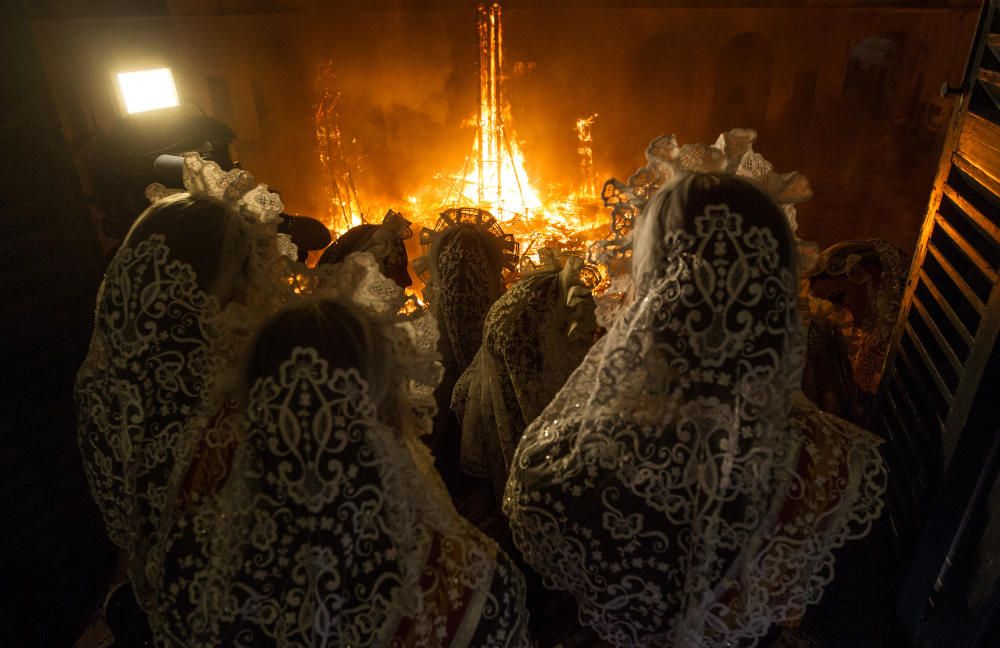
[[679, 485], [175, 310], [334, 529], [534, 337], [467, 255], [465, 276]]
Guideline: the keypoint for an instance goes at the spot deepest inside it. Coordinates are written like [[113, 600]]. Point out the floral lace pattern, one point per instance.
[[460, 298], [134, 337], [883, 297], [143, 391], [357, 281], [530, 347], [678, 485], [666, 162], [195, 490], [463, 307], [334, 532], [157, 418], [466, 258]]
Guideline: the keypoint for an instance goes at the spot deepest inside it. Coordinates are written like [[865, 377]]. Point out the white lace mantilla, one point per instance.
[[155, 393], [534, 336], [334, 531], [667, 162], [358, 282], [236, 190], [679, 485]]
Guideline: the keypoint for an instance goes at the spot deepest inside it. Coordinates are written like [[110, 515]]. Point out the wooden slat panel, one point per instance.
[[986, 341], [911, 367], [917, 466], [908, 474], [883, 427], [985, 100], [977, 259], [974, 214], [953, 274], [907, 486], [988, 182], [932, 370], [892, 414], [956, 364], [946, 308], [989, 77], [979, 143], [933, 608], [897, 430]]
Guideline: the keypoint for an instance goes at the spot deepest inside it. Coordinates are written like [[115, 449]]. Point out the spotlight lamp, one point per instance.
[[146, 90]]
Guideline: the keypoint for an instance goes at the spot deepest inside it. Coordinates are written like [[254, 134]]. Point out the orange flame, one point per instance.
[[501, 182], [588, 188], [494, 177]]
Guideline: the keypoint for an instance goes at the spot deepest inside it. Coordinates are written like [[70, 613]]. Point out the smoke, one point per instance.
[[408, 80], [408, 84], [407, 73]]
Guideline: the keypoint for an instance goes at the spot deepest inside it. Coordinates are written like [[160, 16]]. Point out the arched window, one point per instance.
[[872, 74], [666, 79], [742, 83]]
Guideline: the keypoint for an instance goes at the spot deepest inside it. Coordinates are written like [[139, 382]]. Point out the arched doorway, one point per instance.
[[742, 83], [872, 74], [666, 80]]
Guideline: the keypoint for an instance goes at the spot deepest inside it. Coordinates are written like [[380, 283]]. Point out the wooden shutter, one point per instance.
[[950, 313], [939, 401]]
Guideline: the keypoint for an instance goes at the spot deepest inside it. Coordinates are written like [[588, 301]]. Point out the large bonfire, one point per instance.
[[493, 178]]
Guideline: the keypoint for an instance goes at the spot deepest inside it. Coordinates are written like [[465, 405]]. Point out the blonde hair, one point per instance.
[[202, 233], [676, 205], [341, 336]]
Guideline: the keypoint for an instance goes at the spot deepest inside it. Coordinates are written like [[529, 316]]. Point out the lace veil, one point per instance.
[[879, 269], [679, 485], [534, 337], [335, 530], [666, 162], [177, 306], [467, 257]]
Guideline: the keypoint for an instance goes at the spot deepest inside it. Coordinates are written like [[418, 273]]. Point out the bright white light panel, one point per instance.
[[146, 90]]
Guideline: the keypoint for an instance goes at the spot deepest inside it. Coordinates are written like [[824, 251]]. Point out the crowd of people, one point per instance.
[[302, 456]]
